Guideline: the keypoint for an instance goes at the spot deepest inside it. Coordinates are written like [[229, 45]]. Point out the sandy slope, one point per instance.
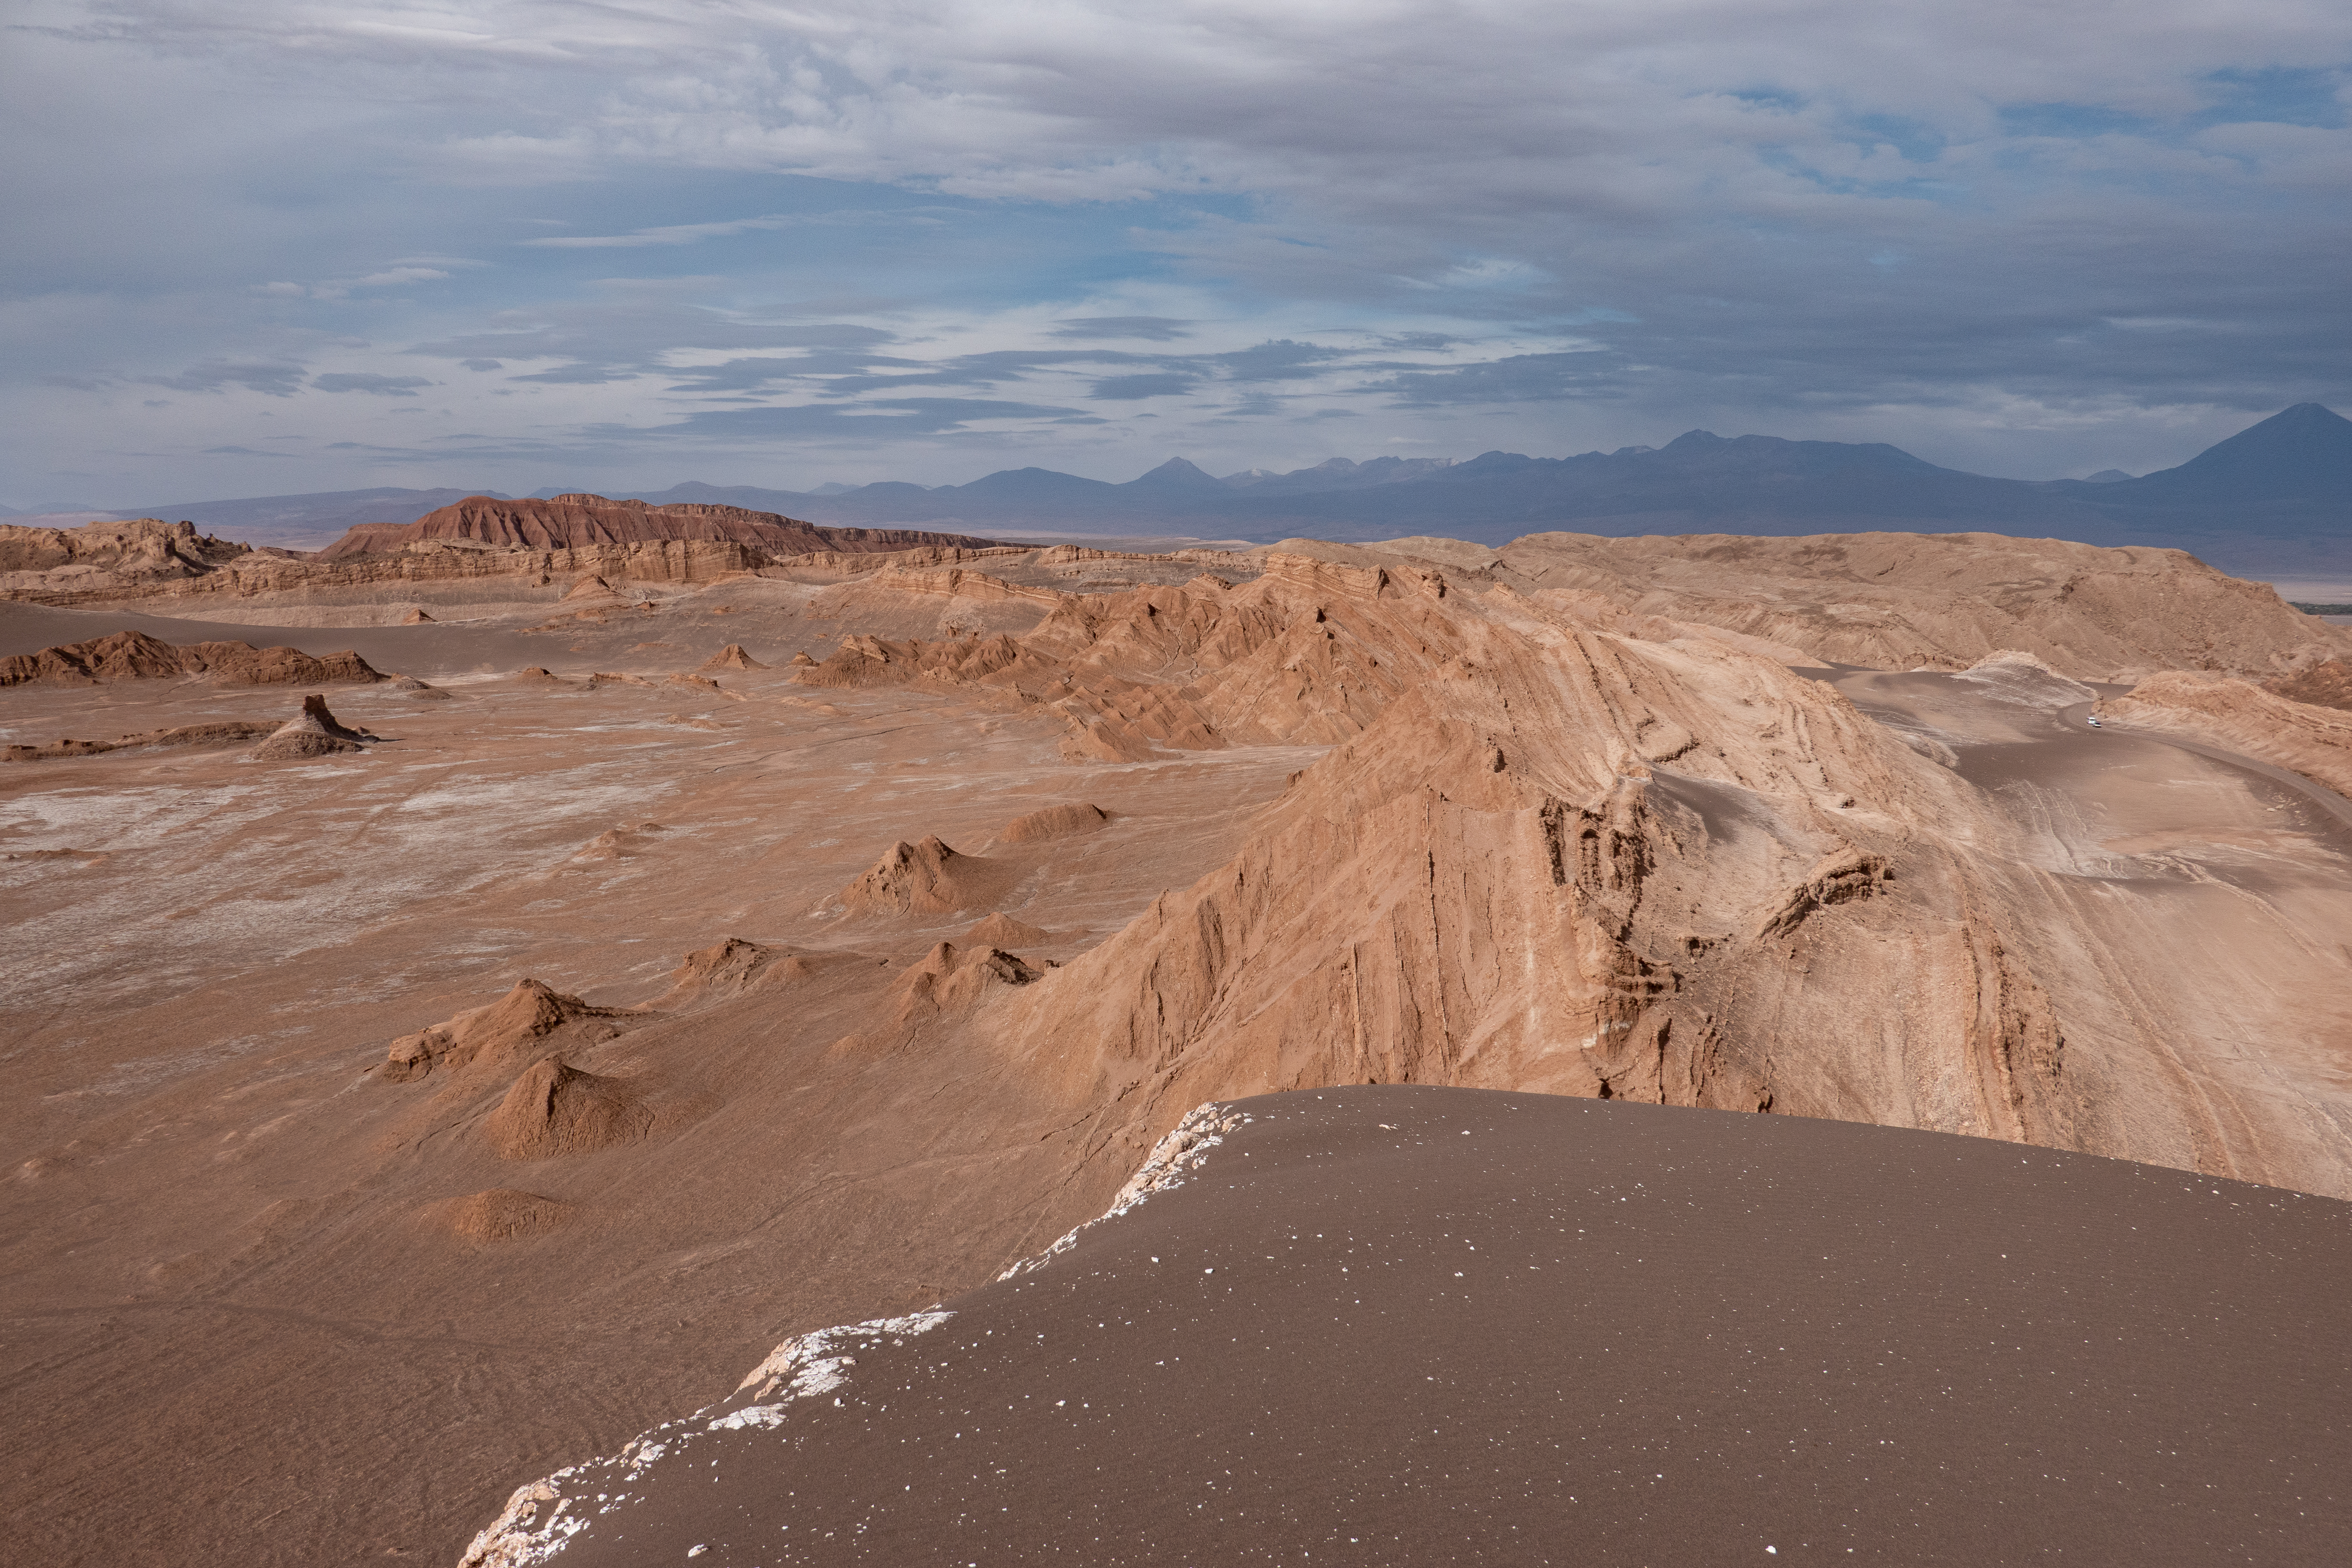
[[844, 1000], [1413, 1325]]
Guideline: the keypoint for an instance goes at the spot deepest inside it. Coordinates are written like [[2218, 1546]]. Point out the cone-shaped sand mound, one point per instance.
[[554, 1108], [732, 657], [927, 878], [1054, 822]]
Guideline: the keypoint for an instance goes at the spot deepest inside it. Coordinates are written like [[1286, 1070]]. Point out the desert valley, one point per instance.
[[478, 989]]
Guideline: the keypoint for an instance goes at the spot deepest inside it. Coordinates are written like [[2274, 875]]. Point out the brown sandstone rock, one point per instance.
[[2326, 684]]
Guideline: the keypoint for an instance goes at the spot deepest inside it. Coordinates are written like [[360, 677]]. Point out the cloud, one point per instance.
[[1948, 227], [883, 419], [671, 233], [1129, 388], [1155, 329], [1516, 378], [278, 380], [364, 381]]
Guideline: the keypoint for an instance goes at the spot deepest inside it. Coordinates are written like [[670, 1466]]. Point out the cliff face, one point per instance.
[[1575, 863], [580, 520]]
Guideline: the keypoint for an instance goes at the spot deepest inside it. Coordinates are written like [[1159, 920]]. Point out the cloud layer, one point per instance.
[[781, 244]]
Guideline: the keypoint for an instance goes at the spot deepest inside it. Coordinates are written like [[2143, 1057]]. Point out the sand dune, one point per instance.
[[1414, 1325]]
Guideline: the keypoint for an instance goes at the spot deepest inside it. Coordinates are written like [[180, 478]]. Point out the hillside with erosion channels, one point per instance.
[[581, 952]]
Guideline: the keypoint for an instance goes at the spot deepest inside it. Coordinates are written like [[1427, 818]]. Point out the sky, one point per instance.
[[259, 246]]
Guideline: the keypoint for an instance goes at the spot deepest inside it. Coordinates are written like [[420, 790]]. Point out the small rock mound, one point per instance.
[[534, 672], [590, 588], [554, 1108], [1001, 930], [1054, 822], [417, 617], [729, 969], [732, 657], [502, 1214], [949, 982], [317, 733], [927, 877], [523, 1019]]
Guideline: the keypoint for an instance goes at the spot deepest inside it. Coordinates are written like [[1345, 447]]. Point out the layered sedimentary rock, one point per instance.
[[580, 520], [146, 548]]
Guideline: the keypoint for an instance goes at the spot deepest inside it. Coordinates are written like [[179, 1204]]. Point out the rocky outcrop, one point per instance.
[[528, 1020], [144, 548], [945, 986], [134, 656], [582, 520], [2324, 684], [1307, 654], [316, 733]]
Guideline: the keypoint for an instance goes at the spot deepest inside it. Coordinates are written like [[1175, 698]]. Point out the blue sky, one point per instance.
[[258, 247]]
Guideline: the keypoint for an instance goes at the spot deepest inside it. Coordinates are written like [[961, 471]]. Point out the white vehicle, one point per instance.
[[2093, 722]]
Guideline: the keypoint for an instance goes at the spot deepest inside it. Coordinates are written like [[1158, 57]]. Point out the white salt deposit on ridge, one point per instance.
[[1185, 1149], [543, 1515]]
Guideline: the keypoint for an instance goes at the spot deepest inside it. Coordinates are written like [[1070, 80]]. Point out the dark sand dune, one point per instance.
[[1407, 1325]]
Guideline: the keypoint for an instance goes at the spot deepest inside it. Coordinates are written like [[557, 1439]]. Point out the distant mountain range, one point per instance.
[[2274, 500]]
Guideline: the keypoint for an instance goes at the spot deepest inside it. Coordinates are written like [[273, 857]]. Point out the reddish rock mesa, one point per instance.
[[578, 520]]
